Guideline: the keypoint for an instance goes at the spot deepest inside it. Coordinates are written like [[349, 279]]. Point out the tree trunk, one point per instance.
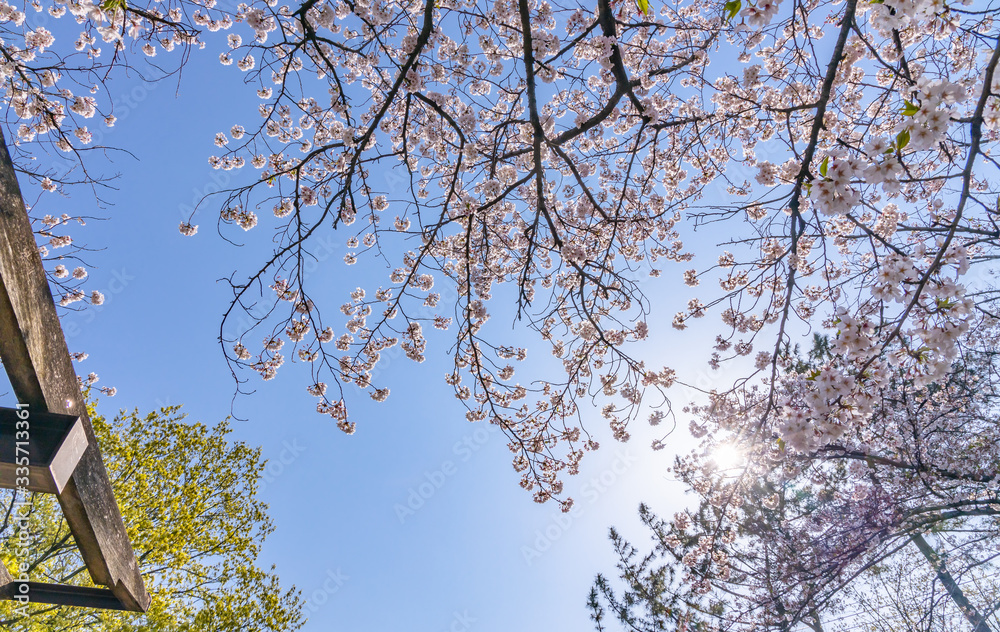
[[973, 616]]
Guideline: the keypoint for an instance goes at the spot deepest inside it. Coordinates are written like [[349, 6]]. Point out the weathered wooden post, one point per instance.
[[41, 372]]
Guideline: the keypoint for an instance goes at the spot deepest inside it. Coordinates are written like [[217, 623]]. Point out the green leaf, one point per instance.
[[188, 493], [824, 166], [902, 139], [909, 109], [781, 444], [731, 8], [110, 6], [643, 6]]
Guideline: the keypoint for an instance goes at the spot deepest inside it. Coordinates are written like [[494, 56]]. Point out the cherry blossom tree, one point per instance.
[[841, 151], [792, 533], [557, 155], [57, 110], [541, 160], [896, 597]]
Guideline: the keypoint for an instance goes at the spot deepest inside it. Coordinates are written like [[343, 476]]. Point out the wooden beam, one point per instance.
[[41, 372], [62, 595], [50, 445]]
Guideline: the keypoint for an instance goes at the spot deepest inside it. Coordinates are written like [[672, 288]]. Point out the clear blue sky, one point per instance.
[[475, 553]]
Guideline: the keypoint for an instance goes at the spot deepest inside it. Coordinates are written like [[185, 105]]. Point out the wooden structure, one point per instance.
[[53, 447], [66, 459]]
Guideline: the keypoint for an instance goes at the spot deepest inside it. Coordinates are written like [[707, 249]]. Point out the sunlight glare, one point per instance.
[[727, 456]]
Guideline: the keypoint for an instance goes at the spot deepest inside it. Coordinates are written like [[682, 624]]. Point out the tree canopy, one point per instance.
[[539, 160], [841, 151], [786, 535], [188, 496]]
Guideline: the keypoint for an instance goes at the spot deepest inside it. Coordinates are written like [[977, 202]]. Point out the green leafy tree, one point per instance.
[[188, 494]]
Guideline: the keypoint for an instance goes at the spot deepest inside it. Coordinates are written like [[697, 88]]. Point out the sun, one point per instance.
[[727, 456]]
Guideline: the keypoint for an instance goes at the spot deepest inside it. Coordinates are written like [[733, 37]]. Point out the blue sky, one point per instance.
[[416, 522]]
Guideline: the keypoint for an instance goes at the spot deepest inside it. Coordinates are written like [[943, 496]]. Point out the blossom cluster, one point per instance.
[[560, 156], [861, 203]]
